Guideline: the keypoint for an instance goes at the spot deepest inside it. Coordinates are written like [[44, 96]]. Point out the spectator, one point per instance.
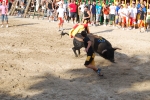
[[81, 11], [112, 14], [133, 14], [43, 7], [65, 8], [73, 11], [116, 14], [22, 9], [50, 10], [4, 11], [120, 13], [141, 20], [116, 2], [143, 8], [138, 5], [148, 17], [123, 3], [125, 18], [106, 11], [145, 4], [98, 12], [86, 15], [93, 13], [60, 12], [89, 5]]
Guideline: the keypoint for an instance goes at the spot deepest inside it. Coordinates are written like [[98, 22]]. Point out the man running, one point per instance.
[[89, 63], [61, 13]]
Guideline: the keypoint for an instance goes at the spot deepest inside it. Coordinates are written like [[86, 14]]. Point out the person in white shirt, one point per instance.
[[120, 14], [112, 14], [133, 13], [125, 17], [60, 14], [81, 11]]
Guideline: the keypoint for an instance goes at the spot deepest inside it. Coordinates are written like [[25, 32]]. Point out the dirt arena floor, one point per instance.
[[36, 64]]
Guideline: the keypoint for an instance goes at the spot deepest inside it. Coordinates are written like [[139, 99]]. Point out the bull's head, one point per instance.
[[109, 54], [63, 33]]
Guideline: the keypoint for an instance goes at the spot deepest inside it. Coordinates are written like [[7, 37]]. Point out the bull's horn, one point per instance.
[[104, 51], [116, 49]]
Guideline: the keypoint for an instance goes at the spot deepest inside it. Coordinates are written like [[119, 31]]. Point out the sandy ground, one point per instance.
[[36, 64]]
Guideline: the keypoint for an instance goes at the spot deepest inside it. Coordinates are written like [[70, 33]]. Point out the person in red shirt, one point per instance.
[[106, 11], [73, 10]]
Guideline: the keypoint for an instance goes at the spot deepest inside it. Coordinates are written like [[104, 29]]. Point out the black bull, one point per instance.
[[99, 44]]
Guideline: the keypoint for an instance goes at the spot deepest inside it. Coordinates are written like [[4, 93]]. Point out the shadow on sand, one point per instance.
[[123, 82]]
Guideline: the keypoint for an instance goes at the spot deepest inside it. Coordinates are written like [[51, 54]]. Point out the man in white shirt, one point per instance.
[[112, 14], [133, 13], [81, 11], [125, 17], [120, 14], [61, 13]]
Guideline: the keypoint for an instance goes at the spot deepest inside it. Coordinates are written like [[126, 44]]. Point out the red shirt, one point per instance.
[[73, 7]]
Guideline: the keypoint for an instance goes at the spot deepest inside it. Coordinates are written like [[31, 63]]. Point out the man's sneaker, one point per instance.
[[7, 26], [2, 26]]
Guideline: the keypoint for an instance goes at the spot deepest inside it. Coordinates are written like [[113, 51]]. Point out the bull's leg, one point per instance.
[[79, 51], [74, 50]]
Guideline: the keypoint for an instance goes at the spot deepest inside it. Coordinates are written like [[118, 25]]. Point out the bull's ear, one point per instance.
[[116, 49], [104, 51]]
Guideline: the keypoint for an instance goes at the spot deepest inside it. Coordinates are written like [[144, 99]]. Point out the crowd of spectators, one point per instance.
[[117, 14]]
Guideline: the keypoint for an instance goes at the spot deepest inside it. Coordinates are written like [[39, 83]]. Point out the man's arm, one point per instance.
[[89, 44], [79, 39]]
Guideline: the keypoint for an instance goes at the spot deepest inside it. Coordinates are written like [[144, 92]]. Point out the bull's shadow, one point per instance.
[[125, 76]]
